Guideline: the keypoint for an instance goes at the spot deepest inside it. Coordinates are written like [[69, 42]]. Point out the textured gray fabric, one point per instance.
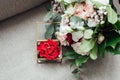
[[9, 8], [18, 55]]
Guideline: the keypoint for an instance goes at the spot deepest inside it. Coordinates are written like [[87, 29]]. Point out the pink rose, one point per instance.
[[83, 10]]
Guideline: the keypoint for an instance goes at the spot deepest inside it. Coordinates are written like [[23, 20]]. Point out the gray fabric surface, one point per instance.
[[18, 55], [9, 8]]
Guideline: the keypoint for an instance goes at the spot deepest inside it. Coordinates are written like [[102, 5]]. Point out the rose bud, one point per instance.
[[100, 39]]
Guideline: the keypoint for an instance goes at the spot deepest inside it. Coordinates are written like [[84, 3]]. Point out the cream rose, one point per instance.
[[83, 10]]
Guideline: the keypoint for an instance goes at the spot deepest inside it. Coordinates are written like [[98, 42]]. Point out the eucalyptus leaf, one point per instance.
[[112, 15], [93, 52], [48, 16], [75, 19], [56, 17], [87, 45], [81, 1], [49, 31]]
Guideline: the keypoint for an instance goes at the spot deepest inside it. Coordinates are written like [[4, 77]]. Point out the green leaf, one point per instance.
[[114, 51], [72, 64], [101, 49], [113, 39], [112, 15], [87, 45], [56, 17], [49, 31], [93, 52], [81, 60], [117, 25], [75, 19], [48, 6], [81, 1], [75, 71], [70, 54], [97, 4], [48, 16]]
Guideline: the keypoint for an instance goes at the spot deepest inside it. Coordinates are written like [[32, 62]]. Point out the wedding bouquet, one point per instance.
[[89, 28]]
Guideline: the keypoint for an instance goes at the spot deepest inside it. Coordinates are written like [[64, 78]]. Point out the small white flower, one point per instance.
[[76, 48], [105, 13], [91, 23], [69, 1], [102, 22], [77, 35], [88, 34]]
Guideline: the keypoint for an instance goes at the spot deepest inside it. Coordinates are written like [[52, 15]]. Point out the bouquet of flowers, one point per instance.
[[89, 28]]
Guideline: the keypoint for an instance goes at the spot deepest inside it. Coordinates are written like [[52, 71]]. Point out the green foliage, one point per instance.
[[81, 1], [52, 28], [49, 31], [101, 49], [93, 52], [113, 38], [114, 51], [117, 25], [82, 59], [112, 15], [48, 16], [75, 19], [87, 45], [76, 72], [70, 54], [56, 18], [48, 6]]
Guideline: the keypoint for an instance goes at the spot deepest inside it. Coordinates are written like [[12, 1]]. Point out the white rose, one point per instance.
[[69, 1], [76, 48], [77, 35], [65, 29], [88, 34], [105, 2], [62, 38]]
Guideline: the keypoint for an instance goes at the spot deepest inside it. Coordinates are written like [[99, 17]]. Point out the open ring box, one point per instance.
[[40, 31]]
